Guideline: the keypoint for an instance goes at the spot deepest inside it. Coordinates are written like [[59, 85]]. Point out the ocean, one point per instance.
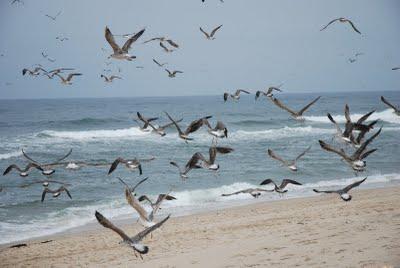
[[103, 129]]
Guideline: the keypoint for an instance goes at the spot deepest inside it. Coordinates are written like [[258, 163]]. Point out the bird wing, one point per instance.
[[234, 193], [308, 105], [212, 154], [363, 146], [354, 27], [144, 197], [326, 26], [148, 230], [156, 62], [276, 157], [195, 125], [168, 71], [287, 181], [44, 194], [115, 164], [157, 205], [205, 33], [170, 124], [110, 39], [268, 181], [115, 77], [29, 158], [364, 117], [303, 153], [137, 184], [69, 77], [175, 165], [136, 204], [131, 40], [329, 148], [338, 129], [241, 90], [152, 39], [66, 190], [164, 47], [282, 106], [172, 43], [226, 96], [176, 124], [61, 158], [223, 150], [347, 113], [367, 153], [355, 184], [106, 223], [10, 167], [327, 192], [175, 72], [215, 30], [389, 104]]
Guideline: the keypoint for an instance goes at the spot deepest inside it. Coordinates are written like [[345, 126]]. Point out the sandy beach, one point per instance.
[[320, 231]]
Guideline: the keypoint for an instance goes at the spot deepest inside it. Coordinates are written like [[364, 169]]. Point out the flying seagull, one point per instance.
[[173, 73], [145, 120], [343, 20], [396, 109], [161, 129], [110, 78], [47, 167], [235, 96], [291, 164], [219, 131], [56, 192], [23, 172], [191, 164], [135, 241], [163, 39], [296, 115], [160, 198], [268, 93], [35, 71], [395, 68], [255, 192], [130, 164], [193, 126], [356, 160], [281, 188], [52, 73], [118, 52], [132, 189], [210, 163], [62, 39], [67, 81], [146, 219], [53, 17], [211, 35], [165, 48], [343, 192], [159, 64]]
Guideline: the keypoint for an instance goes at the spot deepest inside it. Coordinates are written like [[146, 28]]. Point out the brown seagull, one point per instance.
[[343, 20]]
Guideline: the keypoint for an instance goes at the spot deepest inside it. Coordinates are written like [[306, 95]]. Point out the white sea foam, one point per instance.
[[386, 115], [10, 155], [95, 134]]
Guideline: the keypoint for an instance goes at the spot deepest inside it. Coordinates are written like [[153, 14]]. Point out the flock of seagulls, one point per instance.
[[356, 160]]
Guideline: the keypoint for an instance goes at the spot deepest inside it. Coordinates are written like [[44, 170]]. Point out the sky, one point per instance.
[[261, 43]]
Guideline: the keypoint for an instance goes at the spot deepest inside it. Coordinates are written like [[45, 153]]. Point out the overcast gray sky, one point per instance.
[[261, 43]]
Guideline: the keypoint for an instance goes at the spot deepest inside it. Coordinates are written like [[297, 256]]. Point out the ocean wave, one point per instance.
[[10, 155], [386, 115], [86, 121], [278, 133]]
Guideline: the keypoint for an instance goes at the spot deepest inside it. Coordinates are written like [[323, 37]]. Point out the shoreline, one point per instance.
[[321, 223]]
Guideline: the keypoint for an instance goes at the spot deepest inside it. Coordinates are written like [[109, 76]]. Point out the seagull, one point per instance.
[[358, 141], [130, 164], [191, 164], [269, 93], [350, 126], [35, 71], [111, 78], [52, 73], [165, 48], [160, 64], [53, 17], [356, 160], [121, 53], [161, 129], [281, 188], [172, 74], [235, 96], [47, 168], [211, 35], [343, 192], [255, 192], [56, 192], [343, 20], [134, 241], [352, 60], [160, 198], [291, 164], [296, 115], [67, 81], [219, 131], [194, 126], [163, 39], [23, 172], [210, 163], [145, 120], [62, 39], [396, 109], [395, 68], [146, 219]]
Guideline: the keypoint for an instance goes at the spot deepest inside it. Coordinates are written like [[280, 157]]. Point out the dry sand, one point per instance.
[[320, 231]]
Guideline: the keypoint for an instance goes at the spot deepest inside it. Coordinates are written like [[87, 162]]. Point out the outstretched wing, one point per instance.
[[364, 117], [173, 121], [110, 39], [215, 30], [282, 106], [326, 26], [355, 184], [287, 181], [206, 34], [115, 164], [303, 153], [276, 157], [135, 204], [172, 43], [326, 192], [69, 77], [389, 104], [106, 223], [308, 105], [363, 146], [130, 41], [146, 231], [268, 181], [329, 148], [338, 129], [354, 27]]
